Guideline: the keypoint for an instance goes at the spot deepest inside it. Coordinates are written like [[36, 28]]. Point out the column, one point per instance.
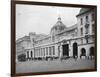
[[61, 51], [48, 51], [39, 52], [53, 48], [57, 50], [51, 51], [27, 54], [34, 52], [45, 52]]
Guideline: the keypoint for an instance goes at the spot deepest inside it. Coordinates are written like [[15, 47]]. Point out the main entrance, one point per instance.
[[65, 50]]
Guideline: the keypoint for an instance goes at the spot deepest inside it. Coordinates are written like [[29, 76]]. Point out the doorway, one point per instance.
[[75, 49], [92, 51]]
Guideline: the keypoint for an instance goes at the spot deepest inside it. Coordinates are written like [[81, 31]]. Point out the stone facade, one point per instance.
[[62, 42]]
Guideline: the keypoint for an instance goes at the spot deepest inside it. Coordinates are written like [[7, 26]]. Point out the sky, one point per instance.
[[40, 19]]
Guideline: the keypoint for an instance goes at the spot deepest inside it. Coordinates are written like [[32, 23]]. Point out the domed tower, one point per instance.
[[58, 27]]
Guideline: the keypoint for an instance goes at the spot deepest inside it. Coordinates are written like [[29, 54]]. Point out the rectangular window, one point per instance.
[[81, 21], [81, 31], [87, 19]]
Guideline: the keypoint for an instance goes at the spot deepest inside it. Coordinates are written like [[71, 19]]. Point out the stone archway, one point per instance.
[[75, 50], [92, 51], [83, 52]]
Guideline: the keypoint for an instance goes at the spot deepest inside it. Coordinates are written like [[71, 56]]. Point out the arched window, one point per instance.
[[75, 49], [92, 51], [83, 52]]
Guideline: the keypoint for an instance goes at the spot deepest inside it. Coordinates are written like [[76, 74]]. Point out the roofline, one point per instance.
[[70, 28], [85, 12], [60, 32]]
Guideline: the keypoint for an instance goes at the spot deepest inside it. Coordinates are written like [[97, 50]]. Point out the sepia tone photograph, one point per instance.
[[54, 38]]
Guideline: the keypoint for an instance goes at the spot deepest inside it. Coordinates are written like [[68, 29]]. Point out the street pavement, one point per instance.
[[55, 65]]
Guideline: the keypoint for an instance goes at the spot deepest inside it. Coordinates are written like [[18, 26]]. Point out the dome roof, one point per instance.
[[59, 26]]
